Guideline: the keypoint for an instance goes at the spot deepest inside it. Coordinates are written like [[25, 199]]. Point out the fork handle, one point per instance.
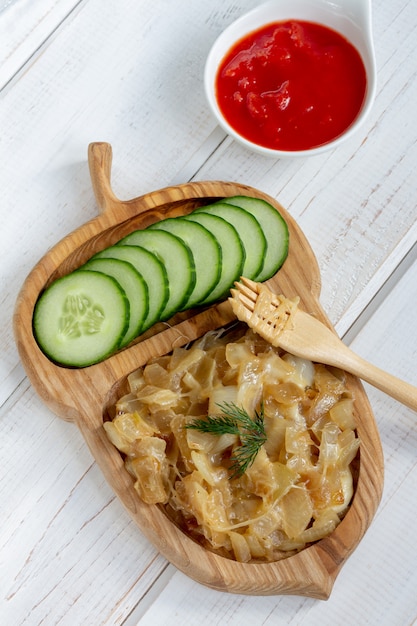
[[389, 384]]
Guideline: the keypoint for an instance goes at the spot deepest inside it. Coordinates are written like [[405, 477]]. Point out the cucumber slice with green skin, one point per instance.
[[133, 285], [249, 231], [206, 252], [177, 260], [233, 252], [153, 272], [81, 319], [274, 228]]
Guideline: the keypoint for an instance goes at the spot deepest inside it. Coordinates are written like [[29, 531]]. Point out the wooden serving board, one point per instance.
[[85, 396]]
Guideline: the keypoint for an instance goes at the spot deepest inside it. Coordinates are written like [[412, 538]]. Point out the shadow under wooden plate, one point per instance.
[[85, 395]]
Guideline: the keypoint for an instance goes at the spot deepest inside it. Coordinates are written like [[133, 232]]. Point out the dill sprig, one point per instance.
[[235, 420]]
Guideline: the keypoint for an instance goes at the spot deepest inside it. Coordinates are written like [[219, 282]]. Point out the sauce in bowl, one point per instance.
[[292, 85]]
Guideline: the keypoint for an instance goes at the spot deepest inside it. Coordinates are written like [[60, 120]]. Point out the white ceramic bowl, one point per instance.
[[351, 18]]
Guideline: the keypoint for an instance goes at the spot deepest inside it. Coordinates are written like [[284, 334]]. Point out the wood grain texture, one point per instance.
[[84, 395]]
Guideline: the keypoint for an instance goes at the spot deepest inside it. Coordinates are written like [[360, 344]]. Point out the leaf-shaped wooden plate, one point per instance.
[[84, 396]]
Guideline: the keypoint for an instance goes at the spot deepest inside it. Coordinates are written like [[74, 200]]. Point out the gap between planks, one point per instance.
[[150, 596], [378, 297]]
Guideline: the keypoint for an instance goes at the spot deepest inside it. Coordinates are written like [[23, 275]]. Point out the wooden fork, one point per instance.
[[282, 324]]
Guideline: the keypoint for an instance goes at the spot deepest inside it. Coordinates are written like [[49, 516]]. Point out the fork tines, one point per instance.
[[265, 312]]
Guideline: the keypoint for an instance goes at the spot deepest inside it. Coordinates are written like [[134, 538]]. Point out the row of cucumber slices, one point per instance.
[[151, 274]]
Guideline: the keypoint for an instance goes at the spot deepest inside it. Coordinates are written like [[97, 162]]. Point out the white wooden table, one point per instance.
[[130, 73]]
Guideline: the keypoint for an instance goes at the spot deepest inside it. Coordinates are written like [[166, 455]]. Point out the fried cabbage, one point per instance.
[[301, 482]]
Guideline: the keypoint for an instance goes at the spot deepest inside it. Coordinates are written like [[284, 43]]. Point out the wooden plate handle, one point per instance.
[[100, 155]]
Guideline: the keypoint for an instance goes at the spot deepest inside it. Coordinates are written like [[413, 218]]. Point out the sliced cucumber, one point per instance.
[[178, 262], [233, 252], [206, 252], [133, 285], [249, 231], [153, 272], [274, 228], [81, 319]]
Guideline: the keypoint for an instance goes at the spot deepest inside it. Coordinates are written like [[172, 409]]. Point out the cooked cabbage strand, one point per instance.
[[235, 420]]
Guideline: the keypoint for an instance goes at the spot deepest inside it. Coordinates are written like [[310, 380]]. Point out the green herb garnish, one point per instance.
[[236, 421]]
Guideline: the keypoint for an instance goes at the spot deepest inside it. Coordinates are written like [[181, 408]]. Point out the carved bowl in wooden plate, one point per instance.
[[85, 395]]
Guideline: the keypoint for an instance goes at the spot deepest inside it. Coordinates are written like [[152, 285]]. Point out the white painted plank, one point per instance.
[[69, 552], [24, 27]]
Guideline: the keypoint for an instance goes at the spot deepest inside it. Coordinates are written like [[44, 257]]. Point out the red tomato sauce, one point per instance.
[[291, 85]]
